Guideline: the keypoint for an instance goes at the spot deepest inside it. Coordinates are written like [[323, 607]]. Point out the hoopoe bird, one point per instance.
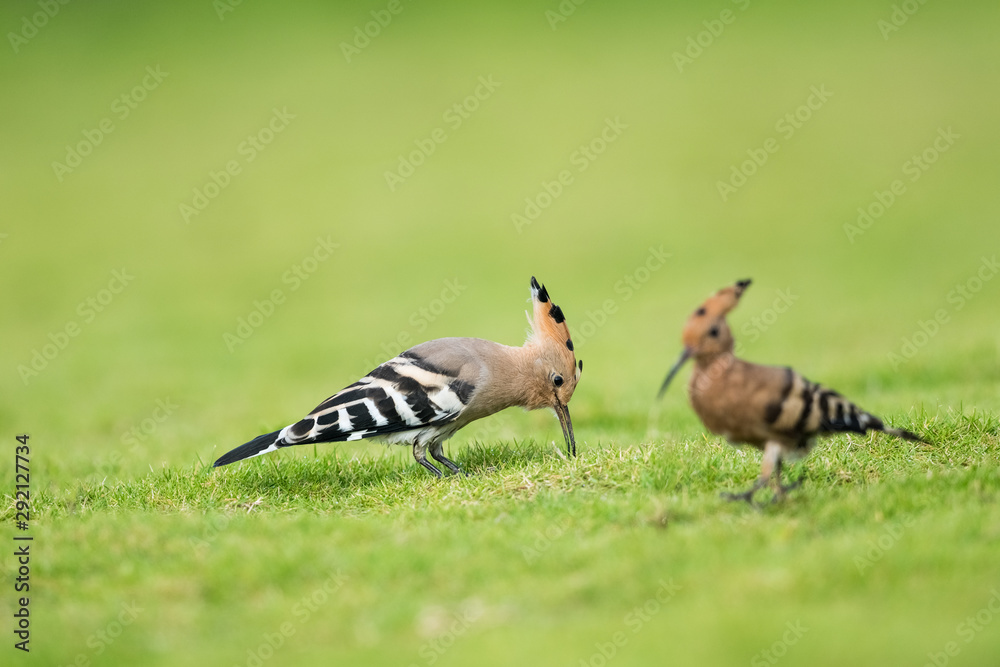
[[427, 393], [769, 407]]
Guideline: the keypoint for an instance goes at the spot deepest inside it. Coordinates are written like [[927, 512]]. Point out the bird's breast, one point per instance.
[[718, 395]]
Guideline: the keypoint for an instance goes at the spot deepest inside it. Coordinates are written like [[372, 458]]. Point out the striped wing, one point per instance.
[[807, 408], [405, 393]]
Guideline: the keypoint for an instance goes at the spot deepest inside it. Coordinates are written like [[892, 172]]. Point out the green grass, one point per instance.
[[882, 555], [529, 546]]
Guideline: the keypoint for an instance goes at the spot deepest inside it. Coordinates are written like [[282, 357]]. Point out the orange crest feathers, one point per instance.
[[702, 330], [549, 324], [723, 301]]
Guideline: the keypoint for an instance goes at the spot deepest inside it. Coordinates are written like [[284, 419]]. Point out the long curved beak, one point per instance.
[[685, 355], [562, 412]]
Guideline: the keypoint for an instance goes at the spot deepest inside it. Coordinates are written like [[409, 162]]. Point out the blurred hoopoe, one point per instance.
[[772, 408], [424, 395]]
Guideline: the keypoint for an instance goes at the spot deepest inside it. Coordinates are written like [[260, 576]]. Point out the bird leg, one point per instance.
[[419, 450], [782, 489], [770, 464], [437, 451]]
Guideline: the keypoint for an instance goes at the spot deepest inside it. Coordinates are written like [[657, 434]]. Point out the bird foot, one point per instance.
[[745, 496], [452, 466], [785, 488]]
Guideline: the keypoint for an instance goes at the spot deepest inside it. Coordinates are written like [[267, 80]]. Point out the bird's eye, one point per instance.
[[714, 332], [699, 312], [557, 380]]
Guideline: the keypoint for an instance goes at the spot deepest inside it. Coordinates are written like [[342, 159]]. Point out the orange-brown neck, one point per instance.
[[514, 379], [709, 372]]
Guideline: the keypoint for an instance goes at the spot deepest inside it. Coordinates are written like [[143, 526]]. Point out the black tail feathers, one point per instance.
[[906, 435], [256, 446]]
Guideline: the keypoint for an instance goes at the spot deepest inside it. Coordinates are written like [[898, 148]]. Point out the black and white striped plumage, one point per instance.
[[424, 395], [406, 399]]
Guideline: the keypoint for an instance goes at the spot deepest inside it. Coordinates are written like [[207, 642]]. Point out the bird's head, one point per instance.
[[706, 334], [554, 369]]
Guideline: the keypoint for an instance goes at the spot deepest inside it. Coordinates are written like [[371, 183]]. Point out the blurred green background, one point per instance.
[[309, 129]]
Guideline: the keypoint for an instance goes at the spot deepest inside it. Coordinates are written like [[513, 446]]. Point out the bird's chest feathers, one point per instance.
[[714, 391]]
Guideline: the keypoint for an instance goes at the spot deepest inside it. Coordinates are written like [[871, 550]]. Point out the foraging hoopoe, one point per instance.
[[772, 408], [428, 392]]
